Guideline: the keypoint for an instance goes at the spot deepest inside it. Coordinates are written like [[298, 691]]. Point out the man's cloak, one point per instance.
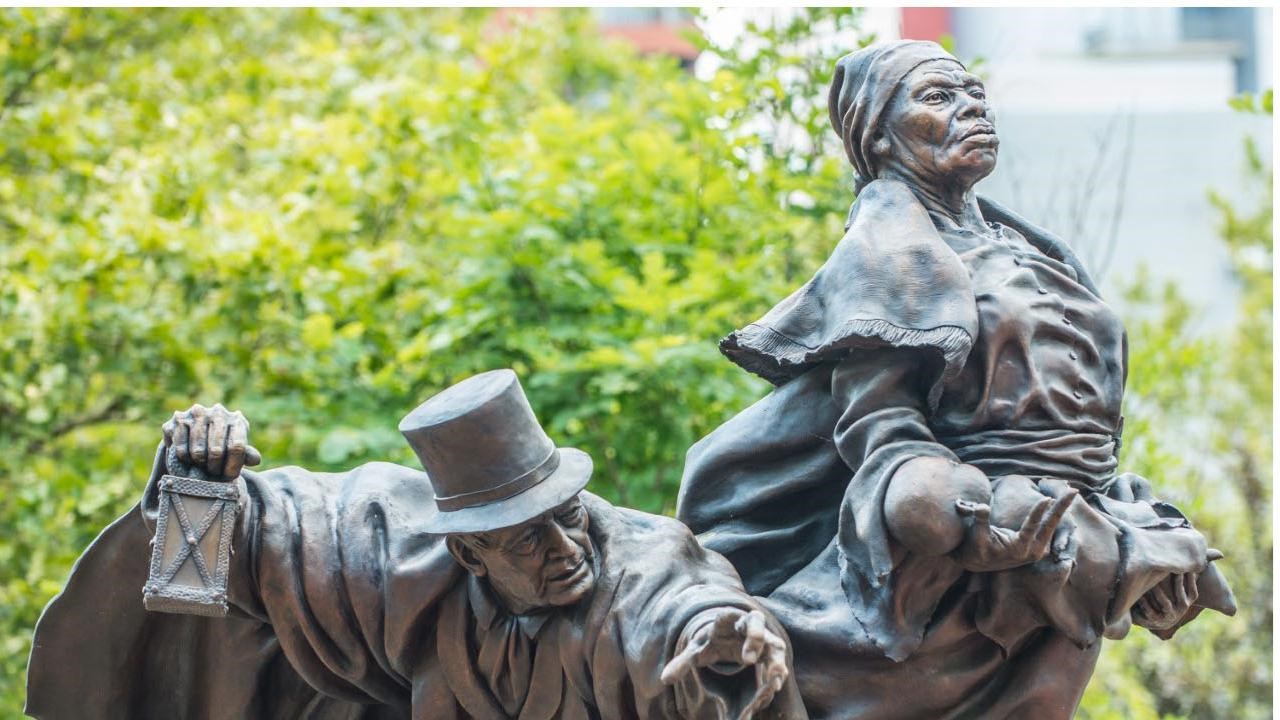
[[344, 607]]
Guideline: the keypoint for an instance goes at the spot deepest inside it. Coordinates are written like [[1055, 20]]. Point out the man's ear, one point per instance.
[[465, 555]]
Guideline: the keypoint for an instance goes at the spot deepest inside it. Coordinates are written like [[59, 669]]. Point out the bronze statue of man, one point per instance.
[[492, 587]]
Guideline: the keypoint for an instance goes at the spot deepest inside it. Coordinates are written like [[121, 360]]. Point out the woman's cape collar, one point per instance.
[[891, 282]]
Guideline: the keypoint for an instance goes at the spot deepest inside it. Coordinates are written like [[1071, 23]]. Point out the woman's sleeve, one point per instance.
[[882, 396]]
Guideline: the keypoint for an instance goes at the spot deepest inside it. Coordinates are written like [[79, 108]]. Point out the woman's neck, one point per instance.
[[957, 203]]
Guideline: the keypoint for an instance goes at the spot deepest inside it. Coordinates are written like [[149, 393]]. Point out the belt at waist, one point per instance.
[[1085, 460]]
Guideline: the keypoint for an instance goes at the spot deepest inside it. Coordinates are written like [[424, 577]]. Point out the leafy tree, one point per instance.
[[1199, 424], [322, 217]]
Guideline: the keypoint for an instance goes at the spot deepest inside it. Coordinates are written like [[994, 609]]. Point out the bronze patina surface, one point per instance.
[[930, 499]]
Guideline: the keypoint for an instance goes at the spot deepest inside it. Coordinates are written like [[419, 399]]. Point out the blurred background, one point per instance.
[[322, 217]]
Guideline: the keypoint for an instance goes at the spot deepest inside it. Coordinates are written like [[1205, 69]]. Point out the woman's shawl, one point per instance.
[[892, 282]]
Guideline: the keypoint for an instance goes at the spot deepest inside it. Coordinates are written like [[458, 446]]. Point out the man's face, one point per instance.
[[544, 562], [940, 127]]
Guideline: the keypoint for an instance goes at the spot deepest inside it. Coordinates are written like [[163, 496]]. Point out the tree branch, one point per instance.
[[102, 414], [13, 98]]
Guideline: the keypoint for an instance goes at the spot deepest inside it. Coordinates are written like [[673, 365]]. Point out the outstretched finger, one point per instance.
[[1028, 537], [1053, 517], [682, 664], [761, 700], [687, 659], [765, 690], [752, 629], [775, 662], [725, 623], [771, 675]]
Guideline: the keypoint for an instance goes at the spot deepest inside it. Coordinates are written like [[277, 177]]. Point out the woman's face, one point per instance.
[[939, 127]]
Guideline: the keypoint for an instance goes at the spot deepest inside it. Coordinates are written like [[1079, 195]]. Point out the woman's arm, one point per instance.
[[884, 437], [932, 504]]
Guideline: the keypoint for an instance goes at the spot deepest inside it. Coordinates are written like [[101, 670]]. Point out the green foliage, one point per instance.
[[782, 74], [322, 217], [1198, 423], [1250, 103]]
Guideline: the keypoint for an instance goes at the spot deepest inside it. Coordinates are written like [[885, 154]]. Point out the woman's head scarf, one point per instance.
[[863, 87]]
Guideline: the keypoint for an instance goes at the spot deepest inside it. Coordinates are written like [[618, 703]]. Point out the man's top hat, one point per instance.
[[489, 461]]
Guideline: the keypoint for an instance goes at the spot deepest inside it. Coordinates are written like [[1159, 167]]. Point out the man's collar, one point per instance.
[[487, 609]]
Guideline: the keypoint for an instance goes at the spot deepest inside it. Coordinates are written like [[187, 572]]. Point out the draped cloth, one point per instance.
[[1007, 360], [910, 292], [344, 608]]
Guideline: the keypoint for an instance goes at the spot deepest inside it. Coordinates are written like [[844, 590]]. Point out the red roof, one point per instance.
[[646, 37], [656, 37]]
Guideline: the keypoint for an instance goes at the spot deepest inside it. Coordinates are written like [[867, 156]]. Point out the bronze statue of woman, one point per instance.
[[929, 498]]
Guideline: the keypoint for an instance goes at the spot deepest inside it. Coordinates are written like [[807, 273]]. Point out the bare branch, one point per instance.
[[1122, 183]]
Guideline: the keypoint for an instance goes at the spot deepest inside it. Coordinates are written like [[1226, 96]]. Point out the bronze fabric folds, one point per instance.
[[1086, 461]]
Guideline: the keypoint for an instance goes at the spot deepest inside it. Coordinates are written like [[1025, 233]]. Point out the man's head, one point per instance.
[[506, 497], [541, 563]]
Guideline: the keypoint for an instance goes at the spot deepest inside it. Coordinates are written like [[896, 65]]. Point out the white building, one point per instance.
[[1114, 125]]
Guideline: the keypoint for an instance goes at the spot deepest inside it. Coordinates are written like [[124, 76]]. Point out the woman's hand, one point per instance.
[[988, 549], [1164, 605]]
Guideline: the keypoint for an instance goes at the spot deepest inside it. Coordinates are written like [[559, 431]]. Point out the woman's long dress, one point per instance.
[[792, 492]]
